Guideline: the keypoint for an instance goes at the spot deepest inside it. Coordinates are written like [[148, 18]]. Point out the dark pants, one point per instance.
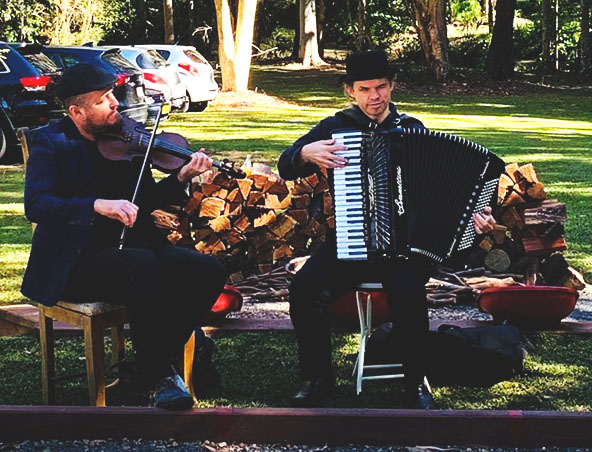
[[323, 279], [165, 289]]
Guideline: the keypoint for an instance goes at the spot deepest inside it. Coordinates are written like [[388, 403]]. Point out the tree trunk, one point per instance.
[[490, 7], [235, 58], [431, 28], [169, 32], [364, 41], [500, 59], [549, 38], [244, 41], [320, 26], [225, 44], [585, 51], [309, 48]]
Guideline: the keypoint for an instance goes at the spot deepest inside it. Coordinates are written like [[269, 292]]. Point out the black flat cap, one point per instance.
[[83, 78], [367, 65]]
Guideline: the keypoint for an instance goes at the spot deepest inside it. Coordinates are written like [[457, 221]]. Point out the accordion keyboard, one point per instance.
[[349, 199]]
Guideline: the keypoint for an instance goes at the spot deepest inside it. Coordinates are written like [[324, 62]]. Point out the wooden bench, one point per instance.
[[93, 318]]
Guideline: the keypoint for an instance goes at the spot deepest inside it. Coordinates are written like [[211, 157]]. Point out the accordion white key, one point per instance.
[[410, 191]]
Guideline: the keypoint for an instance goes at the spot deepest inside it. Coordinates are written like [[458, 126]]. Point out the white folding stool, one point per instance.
[[364, 301]]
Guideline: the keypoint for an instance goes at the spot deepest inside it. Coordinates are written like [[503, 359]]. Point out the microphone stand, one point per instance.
[[144, 163]]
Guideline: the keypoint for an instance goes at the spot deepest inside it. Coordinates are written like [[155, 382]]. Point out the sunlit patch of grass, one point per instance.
[[557, 376]]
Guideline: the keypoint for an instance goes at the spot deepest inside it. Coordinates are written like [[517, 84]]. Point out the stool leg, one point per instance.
[[117, 344], [363, 336], [47, 357], [94, 345], [188, 356]]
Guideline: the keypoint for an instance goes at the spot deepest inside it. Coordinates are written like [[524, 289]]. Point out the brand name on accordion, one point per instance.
[[399, 200]]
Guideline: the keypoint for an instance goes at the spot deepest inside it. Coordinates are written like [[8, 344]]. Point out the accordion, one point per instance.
[[410, 191]]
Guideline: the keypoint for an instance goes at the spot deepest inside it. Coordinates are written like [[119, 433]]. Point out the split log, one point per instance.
[[220, 223], [165, 220], [538, 246], [512, 219], [211, 207], [244, 186], [549, 211], [284, 224], [497, 260], [265, 219], [484, 282]]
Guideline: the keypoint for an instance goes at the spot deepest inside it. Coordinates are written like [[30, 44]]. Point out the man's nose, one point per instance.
[[114, 101]]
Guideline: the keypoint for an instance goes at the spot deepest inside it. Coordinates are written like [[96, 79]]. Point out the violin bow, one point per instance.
[[144, 163]]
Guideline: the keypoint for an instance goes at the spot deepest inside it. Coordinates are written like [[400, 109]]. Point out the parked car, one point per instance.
[[156, 101], [129, 88], [195, 71], [158, 75], [26, 80]]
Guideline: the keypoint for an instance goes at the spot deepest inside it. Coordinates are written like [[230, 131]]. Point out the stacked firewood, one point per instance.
[[530, 235], [253, 224]]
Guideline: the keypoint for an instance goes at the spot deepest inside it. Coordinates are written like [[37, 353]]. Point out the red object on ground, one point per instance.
[[530, 306], [230, 300], [344, 312]]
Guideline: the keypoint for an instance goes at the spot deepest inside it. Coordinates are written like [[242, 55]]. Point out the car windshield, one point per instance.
[[195, 56], [114, 57], [151, 59], [41, 63]]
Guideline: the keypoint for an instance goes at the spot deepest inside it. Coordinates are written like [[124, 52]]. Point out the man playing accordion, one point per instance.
[[368, 81]]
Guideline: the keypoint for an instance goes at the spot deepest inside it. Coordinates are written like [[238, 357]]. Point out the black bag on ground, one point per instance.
[[480, 356]]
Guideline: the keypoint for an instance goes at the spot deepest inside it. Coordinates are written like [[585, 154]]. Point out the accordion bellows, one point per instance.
[[410, 191]]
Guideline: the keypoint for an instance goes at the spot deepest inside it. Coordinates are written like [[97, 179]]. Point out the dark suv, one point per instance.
[[129, 88], [26, 80]]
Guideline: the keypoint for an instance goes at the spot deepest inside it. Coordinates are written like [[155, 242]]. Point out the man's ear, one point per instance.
[[349, 90], [76, 112]]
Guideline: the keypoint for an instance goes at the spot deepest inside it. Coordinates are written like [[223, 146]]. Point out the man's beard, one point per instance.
[[97, 130]]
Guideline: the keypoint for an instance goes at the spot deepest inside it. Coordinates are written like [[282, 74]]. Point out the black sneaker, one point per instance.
[[312, 392], [172, 394], [419, 397]]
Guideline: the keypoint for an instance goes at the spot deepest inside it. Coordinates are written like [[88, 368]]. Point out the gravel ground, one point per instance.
[[177, 446], [279, 310]]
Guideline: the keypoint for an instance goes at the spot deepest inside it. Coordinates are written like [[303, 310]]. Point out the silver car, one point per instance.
[[158, 75], [195, 71]]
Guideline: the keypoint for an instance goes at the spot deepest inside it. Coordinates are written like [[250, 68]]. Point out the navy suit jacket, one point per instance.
[[59, 196]]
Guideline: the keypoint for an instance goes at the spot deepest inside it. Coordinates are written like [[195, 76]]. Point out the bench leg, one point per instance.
[[94, 345], [47, 357], [117, 344]]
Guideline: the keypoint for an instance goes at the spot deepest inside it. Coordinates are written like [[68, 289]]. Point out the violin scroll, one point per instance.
[[227, 167]]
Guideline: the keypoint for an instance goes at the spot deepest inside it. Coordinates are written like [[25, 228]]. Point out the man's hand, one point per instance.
[[484, 221], [199, 163], [322, 154], [117, 209]]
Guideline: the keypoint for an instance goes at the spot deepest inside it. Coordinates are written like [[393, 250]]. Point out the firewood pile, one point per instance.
[[254, 224], [257, 224], [530, 235]]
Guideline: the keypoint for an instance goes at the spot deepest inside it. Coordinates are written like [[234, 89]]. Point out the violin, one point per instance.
[[170, 151]]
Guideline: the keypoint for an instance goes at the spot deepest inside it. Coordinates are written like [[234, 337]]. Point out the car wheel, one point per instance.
[[198, 106], [185, 106], [3, 145]]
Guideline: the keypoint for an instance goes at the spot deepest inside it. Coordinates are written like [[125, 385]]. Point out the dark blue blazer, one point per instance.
[[59, 196]]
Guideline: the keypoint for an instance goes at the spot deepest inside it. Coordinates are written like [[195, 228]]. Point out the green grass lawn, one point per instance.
[[552, 129], [260, 369]]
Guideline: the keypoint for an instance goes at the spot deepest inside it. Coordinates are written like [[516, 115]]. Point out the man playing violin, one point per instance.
[[80, 202]]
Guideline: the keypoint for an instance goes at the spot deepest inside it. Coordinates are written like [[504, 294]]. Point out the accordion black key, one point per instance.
[[410, 191]]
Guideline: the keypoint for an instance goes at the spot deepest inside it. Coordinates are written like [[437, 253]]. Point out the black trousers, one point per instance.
[[165, 289], [323, 279]]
